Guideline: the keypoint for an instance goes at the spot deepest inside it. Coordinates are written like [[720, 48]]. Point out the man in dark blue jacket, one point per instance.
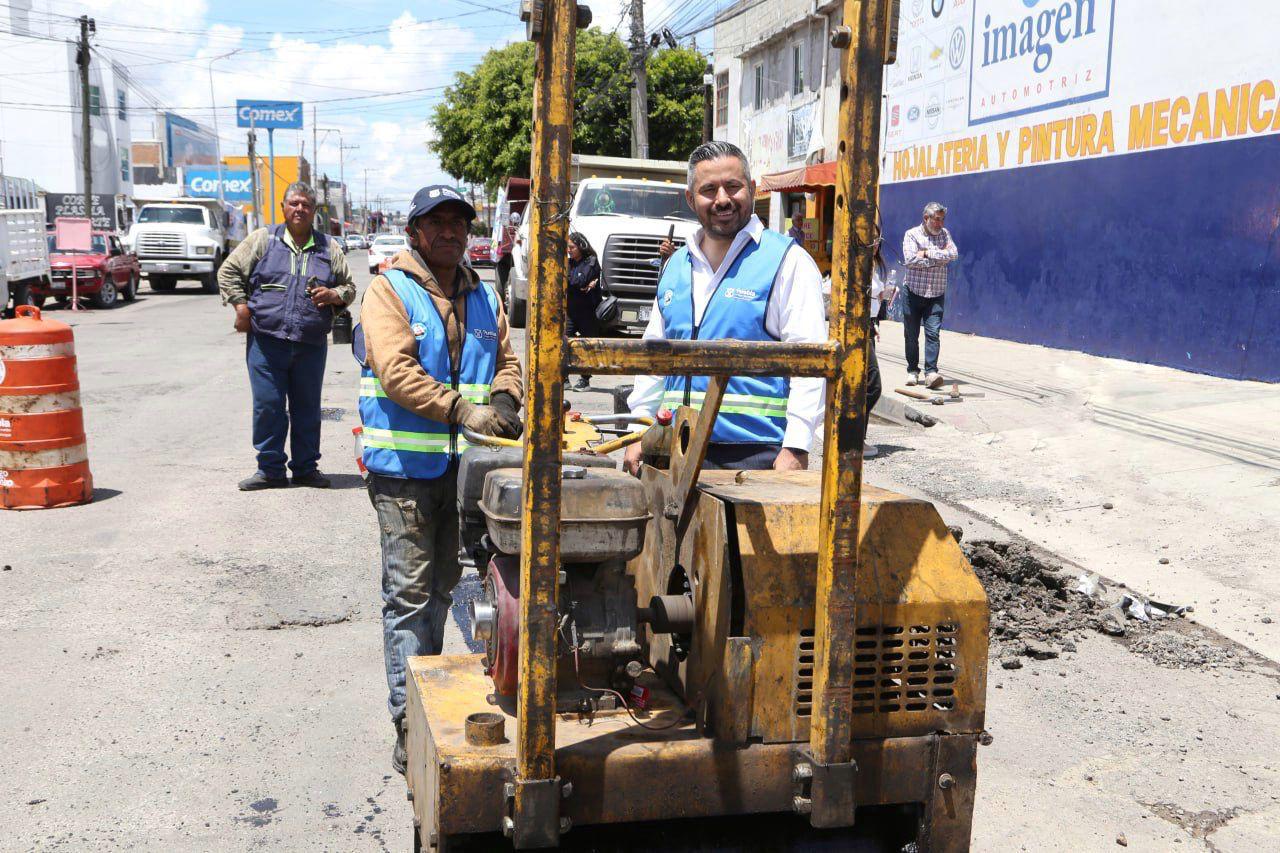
[[286, 282]]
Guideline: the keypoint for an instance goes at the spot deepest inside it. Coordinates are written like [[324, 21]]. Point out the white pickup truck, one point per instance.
[[184, 238], [24, 252], [625, 220]]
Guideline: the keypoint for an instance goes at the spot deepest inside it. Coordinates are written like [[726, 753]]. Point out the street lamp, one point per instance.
[[217, 138]]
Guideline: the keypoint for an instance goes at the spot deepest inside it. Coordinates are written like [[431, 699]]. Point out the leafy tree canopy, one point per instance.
[[484, 123]]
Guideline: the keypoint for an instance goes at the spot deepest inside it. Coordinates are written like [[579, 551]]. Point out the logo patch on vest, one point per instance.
[[485, 334], [740, 293], [419, 330], [667, 297]]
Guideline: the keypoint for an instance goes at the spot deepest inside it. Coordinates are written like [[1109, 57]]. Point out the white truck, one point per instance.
[[24, 249], [625, 208], [182, 238]]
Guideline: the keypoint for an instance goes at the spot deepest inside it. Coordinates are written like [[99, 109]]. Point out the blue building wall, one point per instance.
[[1170, 257]]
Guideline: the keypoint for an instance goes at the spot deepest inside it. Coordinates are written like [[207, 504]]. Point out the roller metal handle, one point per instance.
[[603, 449]]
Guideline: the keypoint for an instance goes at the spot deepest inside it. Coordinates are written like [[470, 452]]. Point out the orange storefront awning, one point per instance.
[[806, 179]]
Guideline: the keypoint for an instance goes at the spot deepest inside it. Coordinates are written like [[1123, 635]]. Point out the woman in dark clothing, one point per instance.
[[583, 293]]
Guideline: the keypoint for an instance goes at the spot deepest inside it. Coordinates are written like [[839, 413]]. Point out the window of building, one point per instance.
[[95, 101], [797, 69], [722, 99], [124, 164], [757, 96], [120, 104]]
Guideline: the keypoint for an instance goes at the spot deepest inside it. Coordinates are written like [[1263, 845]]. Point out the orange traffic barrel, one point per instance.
[[44, 461]]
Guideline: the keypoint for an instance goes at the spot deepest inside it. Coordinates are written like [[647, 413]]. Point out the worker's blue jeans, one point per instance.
[[927, 310], [418, 524], [287, 379]]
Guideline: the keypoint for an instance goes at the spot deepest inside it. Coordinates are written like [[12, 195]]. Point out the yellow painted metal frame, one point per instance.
[[842, 360]]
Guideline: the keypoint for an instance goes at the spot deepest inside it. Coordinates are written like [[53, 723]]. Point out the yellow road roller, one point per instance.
[[700, 659]]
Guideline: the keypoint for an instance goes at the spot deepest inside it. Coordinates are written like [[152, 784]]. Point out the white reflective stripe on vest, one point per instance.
[[415, 442], [371, 387], [732, 404]]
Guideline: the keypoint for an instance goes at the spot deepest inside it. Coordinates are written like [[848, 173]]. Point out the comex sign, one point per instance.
[[236, 185], [1031, 55], [269, 115]]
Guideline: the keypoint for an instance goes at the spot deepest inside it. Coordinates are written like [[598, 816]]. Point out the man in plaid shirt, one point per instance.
[[926, 251]]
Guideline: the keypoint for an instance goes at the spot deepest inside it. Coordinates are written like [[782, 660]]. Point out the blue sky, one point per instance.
[[330, 55]]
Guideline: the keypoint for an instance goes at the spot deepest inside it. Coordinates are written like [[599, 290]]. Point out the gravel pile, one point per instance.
[[1034, 611], [1038, 613]]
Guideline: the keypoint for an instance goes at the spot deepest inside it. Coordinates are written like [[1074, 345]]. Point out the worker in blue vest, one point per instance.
[[436, 358], [737, 280], [286, 282]]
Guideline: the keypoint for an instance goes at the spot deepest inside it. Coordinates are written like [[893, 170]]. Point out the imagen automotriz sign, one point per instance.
[[265, 115], [1030, 55]]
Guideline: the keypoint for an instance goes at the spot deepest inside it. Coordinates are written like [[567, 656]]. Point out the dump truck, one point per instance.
[[796, 653], [24, 257]]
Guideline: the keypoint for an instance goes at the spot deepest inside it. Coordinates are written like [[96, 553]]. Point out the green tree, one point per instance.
[[675, 103], [484, 123]]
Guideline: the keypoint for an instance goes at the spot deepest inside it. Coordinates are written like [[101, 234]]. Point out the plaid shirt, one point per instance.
[[927, 276]]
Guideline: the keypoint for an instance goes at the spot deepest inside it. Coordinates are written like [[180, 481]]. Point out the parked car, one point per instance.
[[354, 242], [385, 246], [479, 252], [105, 274]]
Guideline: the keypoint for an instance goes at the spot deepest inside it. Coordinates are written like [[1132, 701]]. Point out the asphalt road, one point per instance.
[[189, 667]]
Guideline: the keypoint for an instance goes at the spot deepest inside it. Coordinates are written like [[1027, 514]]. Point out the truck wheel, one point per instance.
[[209, 284], [516, 309], [130, 291], [107, 296], [36, 300], [162, 284]]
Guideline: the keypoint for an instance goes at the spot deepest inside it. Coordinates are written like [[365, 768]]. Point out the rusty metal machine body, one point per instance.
[[787, 644]]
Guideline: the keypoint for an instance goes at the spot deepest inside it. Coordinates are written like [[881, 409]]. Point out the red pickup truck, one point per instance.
[[105, 274]]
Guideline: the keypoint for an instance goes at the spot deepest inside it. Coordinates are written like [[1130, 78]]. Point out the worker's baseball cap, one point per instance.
[[429, 198]]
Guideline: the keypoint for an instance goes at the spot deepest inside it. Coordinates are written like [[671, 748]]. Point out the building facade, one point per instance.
[[40, 113], [1112, 177]]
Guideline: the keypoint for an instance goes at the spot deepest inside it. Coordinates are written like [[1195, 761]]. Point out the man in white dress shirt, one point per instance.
[[736, 280]]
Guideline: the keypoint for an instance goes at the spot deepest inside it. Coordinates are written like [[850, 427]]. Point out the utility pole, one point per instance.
[[315, 154], [253, 173], [708, 103], [640, 85], [87, 26], [342, 178]]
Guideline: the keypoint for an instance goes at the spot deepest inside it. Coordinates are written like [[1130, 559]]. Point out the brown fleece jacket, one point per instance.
[[392, 351]]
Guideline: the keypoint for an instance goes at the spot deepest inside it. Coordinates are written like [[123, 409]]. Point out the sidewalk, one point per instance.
[[1044, 438]]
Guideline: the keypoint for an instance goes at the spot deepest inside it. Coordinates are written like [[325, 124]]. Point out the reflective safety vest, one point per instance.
[[754, 408], [399, 443]]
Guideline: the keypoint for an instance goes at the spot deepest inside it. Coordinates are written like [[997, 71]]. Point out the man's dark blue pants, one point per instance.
[[286, 378], [926, 310]]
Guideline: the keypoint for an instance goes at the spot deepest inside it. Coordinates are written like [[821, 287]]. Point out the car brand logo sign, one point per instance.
[[955, 48], [913, 114], [937, 7]]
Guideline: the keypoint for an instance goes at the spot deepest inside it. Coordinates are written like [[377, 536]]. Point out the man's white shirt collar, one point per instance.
[[753, 230]]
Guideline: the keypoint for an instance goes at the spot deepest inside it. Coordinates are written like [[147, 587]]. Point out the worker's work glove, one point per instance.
[[477, 418], [508, 409]]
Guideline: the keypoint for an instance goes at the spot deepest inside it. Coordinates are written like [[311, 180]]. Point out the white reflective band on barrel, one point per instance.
[[403, 440], [25, 460], [38, 404], [28, 352]]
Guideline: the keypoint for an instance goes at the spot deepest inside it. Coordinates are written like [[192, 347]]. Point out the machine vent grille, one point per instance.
[[905, 668], [804, 674]]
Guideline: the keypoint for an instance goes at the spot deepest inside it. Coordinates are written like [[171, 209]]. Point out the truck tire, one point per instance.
[[162, 283], [107, 296], [516, 309], [36, 300], [209, 282]]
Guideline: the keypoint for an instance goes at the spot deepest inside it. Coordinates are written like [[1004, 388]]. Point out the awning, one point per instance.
[[806, 179]]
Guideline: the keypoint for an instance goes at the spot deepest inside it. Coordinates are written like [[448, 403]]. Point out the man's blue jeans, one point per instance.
[[286, 379], [927, 310], [418, 520]]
